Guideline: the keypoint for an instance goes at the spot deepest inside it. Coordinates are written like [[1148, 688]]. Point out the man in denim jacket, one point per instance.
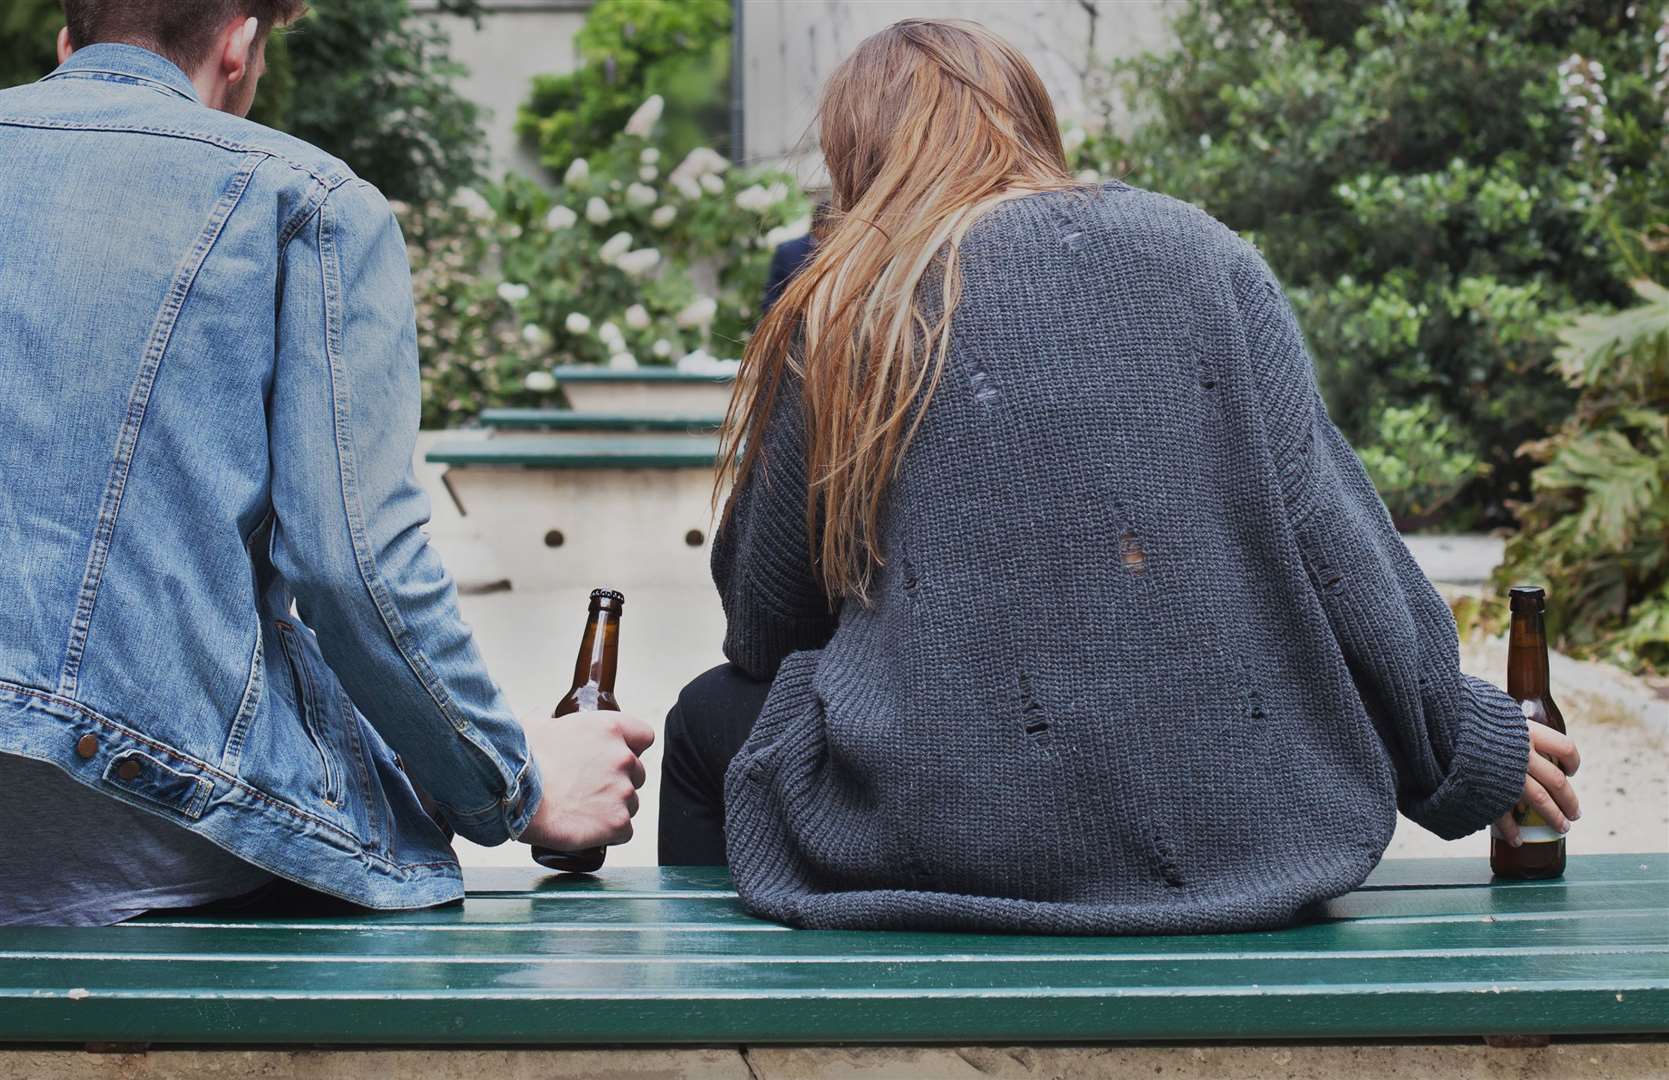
[[227, 652]]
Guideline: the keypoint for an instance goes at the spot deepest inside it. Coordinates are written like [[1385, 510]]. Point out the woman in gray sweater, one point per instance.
[[1055, 601]]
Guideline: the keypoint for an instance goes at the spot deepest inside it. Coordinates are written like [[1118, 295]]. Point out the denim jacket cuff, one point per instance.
[[506, 819]]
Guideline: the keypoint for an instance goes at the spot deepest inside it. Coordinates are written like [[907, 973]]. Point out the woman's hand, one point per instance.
[[1547, 786]]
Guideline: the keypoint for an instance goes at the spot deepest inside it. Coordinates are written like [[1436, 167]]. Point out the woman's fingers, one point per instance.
[[1556, 745], [1539, 798], [1507, 828]]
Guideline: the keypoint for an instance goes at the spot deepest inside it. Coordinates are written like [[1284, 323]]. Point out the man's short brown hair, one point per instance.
[[184, 31]]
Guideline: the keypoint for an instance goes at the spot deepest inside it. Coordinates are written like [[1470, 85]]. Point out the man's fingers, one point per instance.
[[1508, 828], [1556, 745], [632, 804], [1537, 799], [638, 735], [636, 771]]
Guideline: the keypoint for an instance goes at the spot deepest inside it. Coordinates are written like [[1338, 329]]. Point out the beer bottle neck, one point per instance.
[[1527, 672], [599, 652]]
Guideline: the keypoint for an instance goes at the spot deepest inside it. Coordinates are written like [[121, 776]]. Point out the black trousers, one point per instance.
[[710, 722]]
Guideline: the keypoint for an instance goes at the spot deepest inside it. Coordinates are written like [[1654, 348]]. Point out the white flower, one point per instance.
[[791, 231], [534, 334], [637, 317], [616, 246], [560, 217], [578, 174], [512, 293], [648, 174], [687, 186], [597, 211], [662, 348], [471, 202], [649, 156], [663, 216], [641, 195], [700, 161], [711, 184], [639, 262], [623, 361], [1089, 176], [698, 312], [610, 335], [1073, 138], [540, 382], [704, 363], [577, 323], [760, 199], [647, 116]]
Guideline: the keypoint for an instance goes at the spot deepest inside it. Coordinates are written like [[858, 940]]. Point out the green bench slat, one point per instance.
[[1426, 949], [569, 420], [581, 452], [654, 375]]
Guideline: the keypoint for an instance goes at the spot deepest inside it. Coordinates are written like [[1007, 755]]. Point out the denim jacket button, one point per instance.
[[87, 746], [128, 770]]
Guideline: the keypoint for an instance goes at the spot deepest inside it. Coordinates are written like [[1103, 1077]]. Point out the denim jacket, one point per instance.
[[217, 601]]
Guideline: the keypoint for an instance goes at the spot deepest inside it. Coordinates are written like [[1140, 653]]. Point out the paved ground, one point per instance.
[[671, 633], [1567, 1061]]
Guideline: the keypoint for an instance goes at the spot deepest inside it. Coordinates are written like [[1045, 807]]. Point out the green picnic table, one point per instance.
[[1426, 949]]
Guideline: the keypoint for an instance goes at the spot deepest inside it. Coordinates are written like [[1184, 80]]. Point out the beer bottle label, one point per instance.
[[1533, 828]]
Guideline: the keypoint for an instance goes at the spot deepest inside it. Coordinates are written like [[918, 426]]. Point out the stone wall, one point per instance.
[[789, 47]]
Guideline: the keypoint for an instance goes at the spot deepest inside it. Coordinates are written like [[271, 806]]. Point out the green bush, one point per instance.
[[1435, 181], [626, 262], [366, 80], [628, 51], [1596, 534], [1417, 463]]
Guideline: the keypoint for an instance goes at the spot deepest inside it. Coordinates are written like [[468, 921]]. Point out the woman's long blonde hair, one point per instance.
[[927, 126]]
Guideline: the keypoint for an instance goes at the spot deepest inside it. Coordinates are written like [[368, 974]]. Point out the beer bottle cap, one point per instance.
[[608, 594], [1527, 598]]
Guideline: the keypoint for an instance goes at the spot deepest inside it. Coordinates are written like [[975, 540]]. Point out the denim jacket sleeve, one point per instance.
[[349, 516]]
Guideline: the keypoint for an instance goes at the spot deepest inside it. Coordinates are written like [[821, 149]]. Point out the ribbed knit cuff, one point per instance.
[[1486, 772]]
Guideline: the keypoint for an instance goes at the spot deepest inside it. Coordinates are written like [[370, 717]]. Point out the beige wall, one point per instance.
[[790, 47], [515, 42]]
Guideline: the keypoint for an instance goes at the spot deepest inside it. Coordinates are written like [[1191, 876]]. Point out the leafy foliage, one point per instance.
[[372, 83], [630, 50], [366, 80], [28, 39], [1596, 535], [623, 263], [1435, 181]]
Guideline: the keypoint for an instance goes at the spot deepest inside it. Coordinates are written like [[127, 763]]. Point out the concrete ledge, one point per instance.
[[1567, 1061]]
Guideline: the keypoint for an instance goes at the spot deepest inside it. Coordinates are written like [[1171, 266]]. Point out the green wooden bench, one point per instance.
[[570, 421], [1427, 949], [643, 390], [626, 451]]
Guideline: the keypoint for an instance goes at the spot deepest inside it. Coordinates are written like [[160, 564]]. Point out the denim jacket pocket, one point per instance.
[[308, 701]]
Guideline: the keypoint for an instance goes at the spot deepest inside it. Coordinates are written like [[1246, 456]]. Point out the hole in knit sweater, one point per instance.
[[1131, 553], [1037, 727], [984, 389]]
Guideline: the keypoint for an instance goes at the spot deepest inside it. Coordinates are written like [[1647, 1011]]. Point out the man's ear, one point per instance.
[[237, 53], [65, 47]]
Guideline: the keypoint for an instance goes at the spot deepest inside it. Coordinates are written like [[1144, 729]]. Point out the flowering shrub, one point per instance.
[[633, 259], [1436, 182]]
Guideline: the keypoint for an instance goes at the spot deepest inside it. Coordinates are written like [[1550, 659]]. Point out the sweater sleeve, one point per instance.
[[1459, 745], [774, 604]]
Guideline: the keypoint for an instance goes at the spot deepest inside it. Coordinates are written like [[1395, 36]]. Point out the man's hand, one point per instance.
[[588, 762], [1547, 788]]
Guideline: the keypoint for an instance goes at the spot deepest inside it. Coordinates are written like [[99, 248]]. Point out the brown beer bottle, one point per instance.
[[593, 691], [1542, 855]]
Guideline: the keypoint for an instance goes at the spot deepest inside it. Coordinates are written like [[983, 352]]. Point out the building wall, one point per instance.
[[789, 47], [517, 39]]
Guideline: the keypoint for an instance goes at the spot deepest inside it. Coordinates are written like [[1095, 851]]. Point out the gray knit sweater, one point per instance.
[[1147, 654]]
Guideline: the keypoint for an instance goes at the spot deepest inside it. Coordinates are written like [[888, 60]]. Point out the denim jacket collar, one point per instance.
[[127, 63]]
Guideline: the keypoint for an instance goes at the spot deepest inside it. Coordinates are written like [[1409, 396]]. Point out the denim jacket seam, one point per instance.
[[138, 403], [99, 75], [332, 179], [493, 810], [210, 771], [364, 560]]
